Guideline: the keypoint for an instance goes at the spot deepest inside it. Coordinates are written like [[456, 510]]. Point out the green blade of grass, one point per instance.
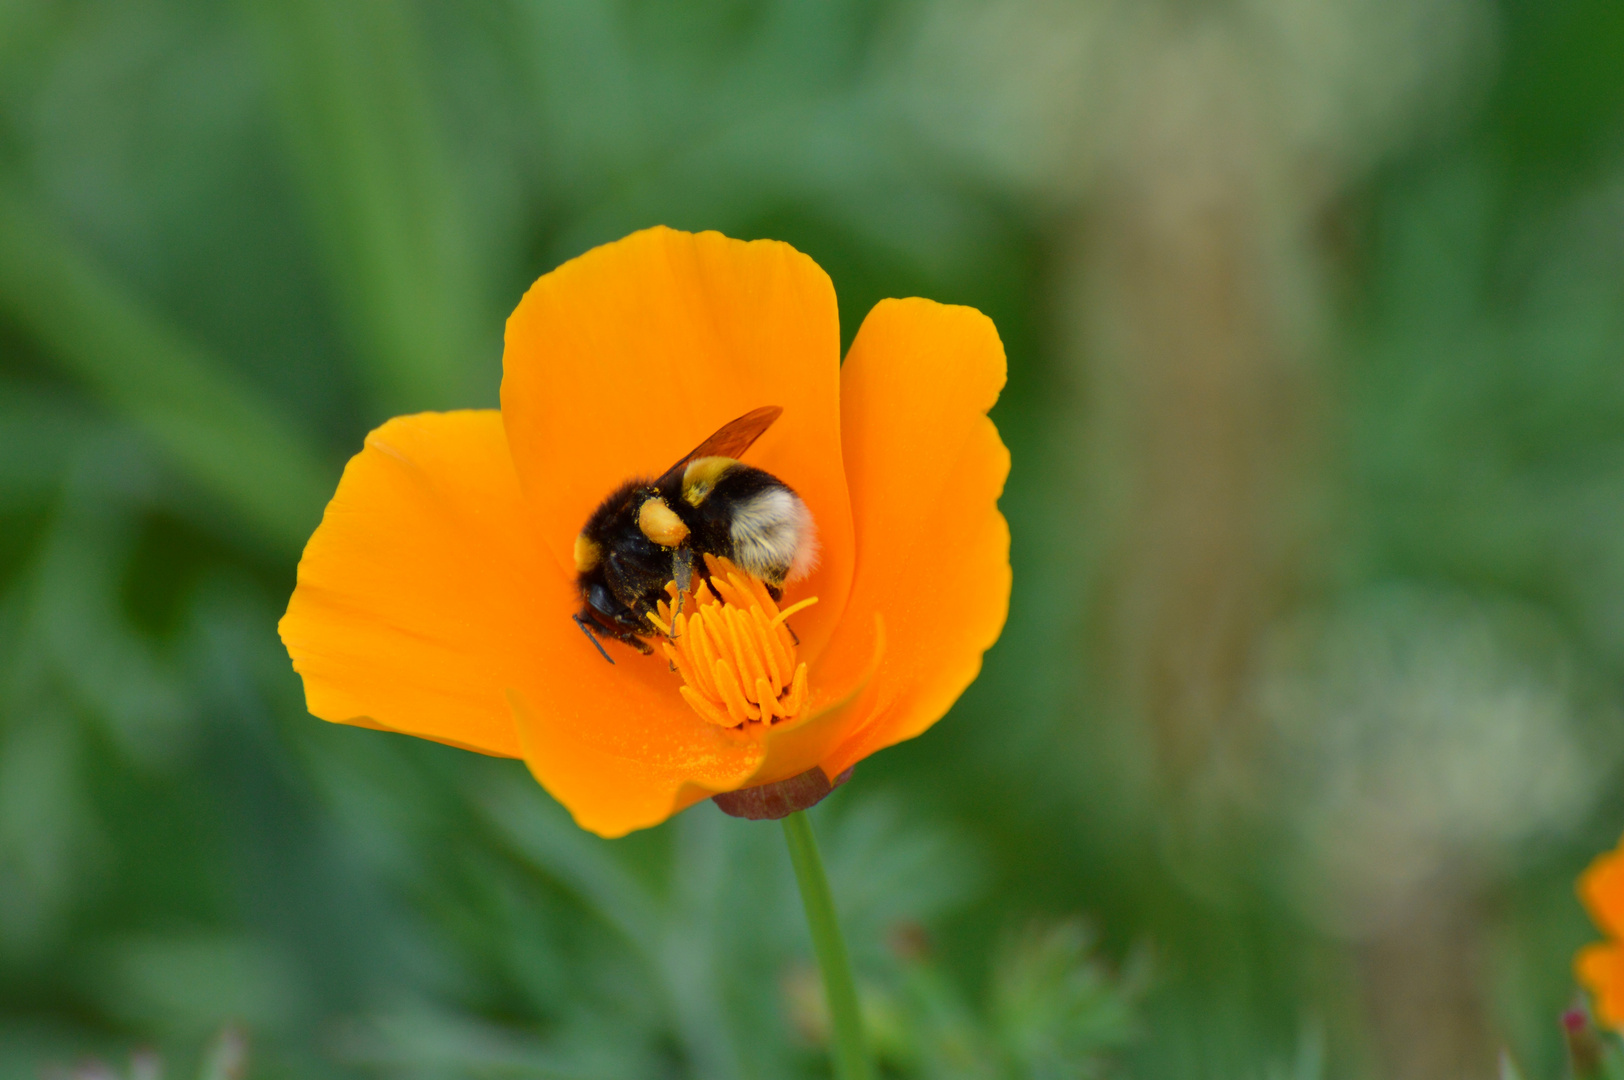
[[211, 425], [375, 173]]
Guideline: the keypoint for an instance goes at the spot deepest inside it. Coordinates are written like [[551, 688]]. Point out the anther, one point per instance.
[[733, 649]]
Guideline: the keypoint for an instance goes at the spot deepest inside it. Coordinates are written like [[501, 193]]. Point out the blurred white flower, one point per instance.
[[1422, 734], [1041, 92]]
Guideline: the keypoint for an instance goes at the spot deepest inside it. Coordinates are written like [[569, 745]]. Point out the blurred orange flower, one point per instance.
[[1600, 967], [435, 597]]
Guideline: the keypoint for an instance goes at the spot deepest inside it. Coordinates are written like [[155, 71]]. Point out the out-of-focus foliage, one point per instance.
[[1315, 316]]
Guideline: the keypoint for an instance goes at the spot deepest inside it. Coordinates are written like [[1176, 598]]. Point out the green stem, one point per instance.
[[846, 1025]]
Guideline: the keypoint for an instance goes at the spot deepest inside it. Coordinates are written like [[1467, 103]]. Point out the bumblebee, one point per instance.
[[649, 533]]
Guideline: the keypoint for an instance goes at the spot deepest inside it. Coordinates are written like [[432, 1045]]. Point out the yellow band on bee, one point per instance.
[[587, 554], [701, 475]]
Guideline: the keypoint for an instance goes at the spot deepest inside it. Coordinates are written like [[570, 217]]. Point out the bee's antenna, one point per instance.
[[586, 629]]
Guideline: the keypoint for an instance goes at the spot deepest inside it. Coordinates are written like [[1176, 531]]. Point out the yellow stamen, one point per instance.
[[732, 649]]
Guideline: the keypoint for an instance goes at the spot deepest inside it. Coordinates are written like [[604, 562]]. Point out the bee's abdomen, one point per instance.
[[757, 521]]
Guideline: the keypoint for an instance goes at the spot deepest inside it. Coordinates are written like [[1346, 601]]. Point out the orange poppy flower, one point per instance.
[[1600, 967], [435, 597]]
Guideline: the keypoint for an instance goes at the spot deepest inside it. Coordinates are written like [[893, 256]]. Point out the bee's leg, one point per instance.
[[586, 628], [682, 567], [793, 636]]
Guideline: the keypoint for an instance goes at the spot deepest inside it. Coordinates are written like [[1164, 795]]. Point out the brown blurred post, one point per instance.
[[1421, 976], [1201, 299]]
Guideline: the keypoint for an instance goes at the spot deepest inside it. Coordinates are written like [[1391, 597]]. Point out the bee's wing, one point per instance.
[[731, 440]]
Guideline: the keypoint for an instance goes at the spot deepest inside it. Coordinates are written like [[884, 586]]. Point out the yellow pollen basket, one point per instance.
[[729, 642]]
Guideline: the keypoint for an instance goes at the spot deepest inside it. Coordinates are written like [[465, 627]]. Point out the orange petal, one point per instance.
[[621, 361], [1601, 887], [1600, 969], [617, 771], [426, 603], [924, 467], [416, 601], [794, 746], [615, 743]]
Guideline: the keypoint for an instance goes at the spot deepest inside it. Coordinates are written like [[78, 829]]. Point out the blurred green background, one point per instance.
[[1308, 709]]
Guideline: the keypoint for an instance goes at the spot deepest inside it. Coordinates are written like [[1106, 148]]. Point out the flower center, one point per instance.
[[728, 641]]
